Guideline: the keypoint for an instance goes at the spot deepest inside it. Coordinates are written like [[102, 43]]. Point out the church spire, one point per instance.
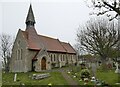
[[30, 20]]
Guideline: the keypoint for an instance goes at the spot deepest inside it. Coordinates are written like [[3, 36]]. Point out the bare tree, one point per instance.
[[98, 36], [106, 7], [80, 49], [5, 49], [77, 48]]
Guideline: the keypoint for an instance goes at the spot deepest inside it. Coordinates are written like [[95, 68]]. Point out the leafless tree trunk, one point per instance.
[[98, 36], [5, 49]]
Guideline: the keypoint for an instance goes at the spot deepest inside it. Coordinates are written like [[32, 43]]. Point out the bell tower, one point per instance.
[[30, 20]]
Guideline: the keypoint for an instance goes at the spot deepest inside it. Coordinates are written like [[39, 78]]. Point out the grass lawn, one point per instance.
[[55, 79], [109, 77]]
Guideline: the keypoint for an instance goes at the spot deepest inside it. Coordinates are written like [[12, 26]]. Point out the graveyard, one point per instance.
[[108, 77], [54, 77], [85, 73], [26, 79], [90, 58]]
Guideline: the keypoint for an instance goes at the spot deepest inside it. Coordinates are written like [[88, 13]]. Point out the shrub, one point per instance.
[[82, 65], [85, 73]]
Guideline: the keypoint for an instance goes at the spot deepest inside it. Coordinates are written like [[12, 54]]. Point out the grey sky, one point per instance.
[[55, 18]]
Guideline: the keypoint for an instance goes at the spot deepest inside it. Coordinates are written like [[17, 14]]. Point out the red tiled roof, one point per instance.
[[52, 44], [33, 39], [37, 42], [68, 47]]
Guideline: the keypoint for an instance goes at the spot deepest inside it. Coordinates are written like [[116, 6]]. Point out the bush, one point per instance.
[[82, 65], [85, 73]]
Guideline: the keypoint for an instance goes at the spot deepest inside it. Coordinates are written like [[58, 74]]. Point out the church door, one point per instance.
[[43, 64]]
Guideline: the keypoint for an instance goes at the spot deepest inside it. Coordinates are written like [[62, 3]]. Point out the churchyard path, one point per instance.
[[69, 80]]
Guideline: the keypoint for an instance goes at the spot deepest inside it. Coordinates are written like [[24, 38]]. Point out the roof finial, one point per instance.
[[30, 20]]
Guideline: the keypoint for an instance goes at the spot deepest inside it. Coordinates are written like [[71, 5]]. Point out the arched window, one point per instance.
[[71, 57], [16, 54], [54, 58], [51, 58], [61, 58], [19, 55], [21, 52]]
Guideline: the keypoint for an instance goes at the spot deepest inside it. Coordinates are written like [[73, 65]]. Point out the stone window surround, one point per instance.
[[19, 53], [62, 57]]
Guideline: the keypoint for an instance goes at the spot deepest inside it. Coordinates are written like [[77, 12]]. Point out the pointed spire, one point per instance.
[[30, 20]]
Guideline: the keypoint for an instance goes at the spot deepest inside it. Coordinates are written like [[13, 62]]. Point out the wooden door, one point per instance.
[[43, 64]]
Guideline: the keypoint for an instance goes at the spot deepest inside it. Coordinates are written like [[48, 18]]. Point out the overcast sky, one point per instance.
[[55, 18]]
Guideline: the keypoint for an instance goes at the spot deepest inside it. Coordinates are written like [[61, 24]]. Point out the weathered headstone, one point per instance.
[[117, 68], [88, 65], [94, 68], [93, 79], [110, 63], [15, 77]]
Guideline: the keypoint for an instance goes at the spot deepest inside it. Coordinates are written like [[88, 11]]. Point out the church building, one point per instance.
[[34, 52]]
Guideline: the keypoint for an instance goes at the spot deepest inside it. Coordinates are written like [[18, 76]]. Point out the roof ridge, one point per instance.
[[47, 37], [65, 42]]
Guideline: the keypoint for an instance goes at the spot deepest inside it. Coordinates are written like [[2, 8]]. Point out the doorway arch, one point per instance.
[[43, 63]]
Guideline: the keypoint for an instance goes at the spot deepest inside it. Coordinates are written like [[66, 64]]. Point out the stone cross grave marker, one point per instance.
[[117, 69]]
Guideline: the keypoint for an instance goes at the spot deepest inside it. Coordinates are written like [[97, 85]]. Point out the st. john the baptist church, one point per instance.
[[34, 52]]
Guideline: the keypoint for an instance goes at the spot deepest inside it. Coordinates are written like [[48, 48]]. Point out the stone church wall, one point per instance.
[[30, 55], [19, 55], [62, 59]]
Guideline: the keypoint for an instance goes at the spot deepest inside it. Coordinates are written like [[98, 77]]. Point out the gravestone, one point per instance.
[[88, 65], [94, 68], [117, 68], [93, 79], [15, 77], [110, 64]]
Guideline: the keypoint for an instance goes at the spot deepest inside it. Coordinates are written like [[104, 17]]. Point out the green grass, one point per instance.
[[77, 79], [55, 79], [108, 76]]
